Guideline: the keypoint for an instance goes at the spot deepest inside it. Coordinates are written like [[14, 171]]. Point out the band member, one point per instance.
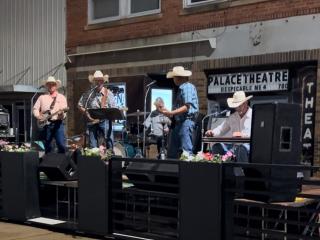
[[185, 112], [52, 102], [158, 124], [238, 124], [98, 97]]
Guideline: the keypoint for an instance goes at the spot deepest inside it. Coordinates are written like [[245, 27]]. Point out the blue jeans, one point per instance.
[[55, 130], [104, 129], [181, 138]]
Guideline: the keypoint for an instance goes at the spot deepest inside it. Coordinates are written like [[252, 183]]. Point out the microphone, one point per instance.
[[42, 86], [153, 82], [222, 112]]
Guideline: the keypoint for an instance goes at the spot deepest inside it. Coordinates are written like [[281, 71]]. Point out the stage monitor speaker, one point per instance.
[[275, 139], [148, 173], [59, 166]]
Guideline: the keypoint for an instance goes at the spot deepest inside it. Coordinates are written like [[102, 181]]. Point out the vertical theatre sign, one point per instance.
[[308, 79], [273, 80]]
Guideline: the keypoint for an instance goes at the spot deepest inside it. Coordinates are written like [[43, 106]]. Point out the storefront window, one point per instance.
[[110, 10]]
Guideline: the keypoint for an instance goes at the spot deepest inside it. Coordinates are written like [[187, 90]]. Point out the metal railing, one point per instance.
[[145, 199], [263, 201]]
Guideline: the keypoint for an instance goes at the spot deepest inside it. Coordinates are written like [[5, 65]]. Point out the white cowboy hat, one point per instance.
[[51, 79], [98, 75], [237, 99], [179, 72]]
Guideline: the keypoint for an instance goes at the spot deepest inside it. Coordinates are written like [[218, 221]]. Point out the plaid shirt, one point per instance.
[[187, 95], [95, 99]]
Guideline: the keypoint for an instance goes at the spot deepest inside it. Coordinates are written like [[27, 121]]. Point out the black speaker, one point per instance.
[[59, 166], [143, 175], [275, 139]]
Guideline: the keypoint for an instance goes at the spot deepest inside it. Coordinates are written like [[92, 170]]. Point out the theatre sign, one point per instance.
[[275, 80]]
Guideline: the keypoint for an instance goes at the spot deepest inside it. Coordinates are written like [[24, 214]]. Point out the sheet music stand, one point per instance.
[[106, 113]]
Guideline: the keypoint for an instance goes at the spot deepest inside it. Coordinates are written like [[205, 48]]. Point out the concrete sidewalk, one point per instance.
[[10, 231]]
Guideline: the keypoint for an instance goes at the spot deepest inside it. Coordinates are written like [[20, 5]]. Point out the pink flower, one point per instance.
[[224, 158], [102, 150], [229, 154]]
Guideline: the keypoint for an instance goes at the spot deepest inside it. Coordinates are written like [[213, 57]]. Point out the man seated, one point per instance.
[[238, 123], [158, 124]]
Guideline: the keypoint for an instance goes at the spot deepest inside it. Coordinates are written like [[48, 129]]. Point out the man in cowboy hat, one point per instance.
[[98, 97], [238, 124], [185, 112], [56, 104]]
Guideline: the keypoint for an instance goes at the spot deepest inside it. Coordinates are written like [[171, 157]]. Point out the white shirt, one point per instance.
[[234, 123]]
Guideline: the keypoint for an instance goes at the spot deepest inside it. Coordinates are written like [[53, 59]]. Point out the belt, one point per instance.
[[193, 117], [55, 121]]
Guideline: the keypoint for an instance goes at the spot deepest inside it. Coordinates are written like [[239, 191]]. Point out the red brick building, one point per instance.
[[130, 38]]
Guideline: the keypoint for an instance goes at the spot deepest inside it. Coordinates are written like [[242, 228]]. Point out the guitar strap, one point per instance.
[[104, 99], [53, 103]]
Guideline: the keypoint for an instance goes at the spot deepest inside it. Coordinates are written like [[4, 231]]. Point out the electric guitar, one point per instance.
[[46, 116]]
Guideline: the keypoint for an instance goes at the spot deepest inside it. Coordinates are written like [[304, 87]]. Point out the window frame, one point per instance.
[[124, 12], [189, 4]]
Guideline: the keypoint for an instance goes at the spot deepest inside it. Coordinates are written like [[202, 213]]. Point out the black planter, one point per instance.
[[20, 186], [94, 196], [200, 196]]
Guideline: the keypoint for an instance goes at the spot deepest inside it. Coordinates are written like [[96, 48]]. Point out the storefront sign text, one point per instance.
[[276, 80]]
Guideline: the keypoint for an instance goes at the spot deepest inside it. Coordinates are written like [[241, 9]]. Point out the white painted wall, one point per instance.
[[281, 35], [32, 34]]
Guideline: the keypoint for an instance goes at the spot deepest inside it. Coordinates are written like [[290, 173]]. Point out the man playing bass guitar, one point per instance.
[[98, 97]]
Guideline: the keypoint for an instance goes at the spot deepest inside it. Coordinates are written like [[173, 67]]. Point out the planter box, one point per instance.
[[200, 196], [94, 197], [20, 185]]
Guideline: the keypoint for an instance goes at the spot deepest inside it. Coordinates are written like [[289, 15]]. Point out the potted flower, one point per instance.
[[207, 157], [93, 193], [201, 195]]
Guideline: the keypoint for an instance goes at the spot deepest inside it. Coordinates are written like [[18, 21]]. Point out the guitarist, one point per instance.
[[52, 102], [98, 97]]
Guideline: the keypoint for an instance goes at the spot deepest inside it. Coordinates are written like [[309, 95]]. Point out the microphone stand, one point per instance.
[[144, 119], [85, 112], [145, 116], [31, 113], [216, 114]]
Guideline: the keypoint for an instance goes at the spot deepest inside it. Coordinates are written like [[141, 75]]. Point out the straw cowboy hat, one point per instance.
[[179, 72], [98, 75], [237, 99], [51, 79]]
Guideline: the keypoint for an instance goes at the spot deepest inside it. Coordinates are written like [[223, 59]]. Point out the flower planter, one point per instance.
[[94, 196], [200, 196], [20, 185]]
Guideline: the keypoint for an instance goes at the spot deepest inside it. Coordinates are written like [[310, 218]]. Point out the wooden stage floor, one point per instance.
[[9, 231]]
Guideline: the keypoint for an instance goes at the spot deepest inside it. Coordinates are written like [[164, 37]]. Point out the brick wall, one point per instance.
[[173, 19]]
